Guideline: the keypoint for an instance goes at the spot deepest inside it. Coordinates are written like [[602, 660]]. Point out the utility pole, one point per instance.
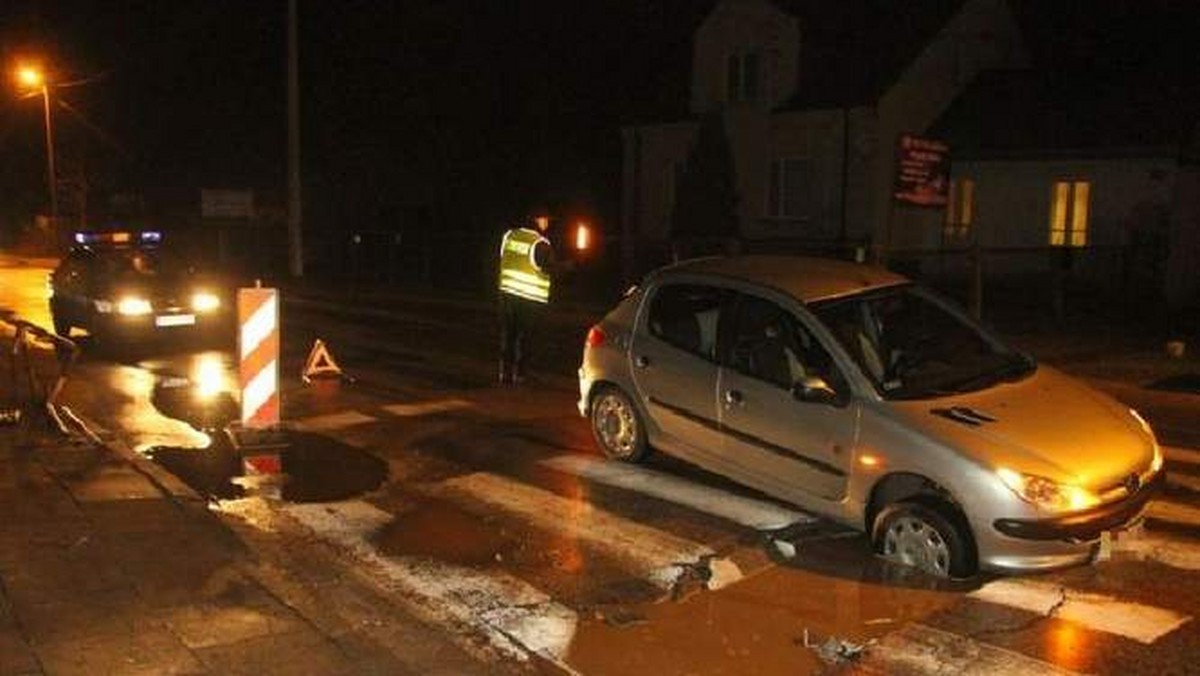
[[51, 176], [295, 235]]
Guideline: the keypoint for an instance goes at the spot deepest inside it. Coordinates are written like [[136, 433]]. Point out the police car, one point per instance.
[[126, 284]]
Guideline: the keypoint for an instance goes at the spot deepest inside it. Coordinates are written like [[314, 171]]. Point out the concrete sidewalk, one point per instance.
[[104, 572]]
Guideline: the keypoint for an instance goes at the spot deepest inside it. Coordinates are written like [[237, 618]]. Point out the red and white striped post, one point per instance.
[[258, 346]]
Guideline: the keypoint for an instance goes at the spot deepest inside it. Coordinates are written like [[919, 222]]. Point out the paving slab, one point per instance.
[[148, 651], [112, 482], [300, 653], [15, 655], [241, 612]]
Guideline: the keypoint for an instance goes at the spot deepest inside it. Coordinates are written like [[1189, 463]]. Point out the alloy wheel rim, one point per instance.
[[914, 542], [616, 426]]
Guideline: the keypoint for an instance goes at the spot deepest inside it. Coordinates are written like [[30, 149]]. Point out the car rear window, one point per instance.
[[685, 316]]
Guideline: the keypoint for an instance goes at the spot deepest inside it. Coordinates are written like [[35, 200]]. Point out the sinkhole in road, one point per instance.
[[313, 468]]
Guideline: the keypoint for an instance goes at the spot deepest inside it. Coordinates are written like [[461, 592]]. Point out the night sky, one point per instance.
[[480, 109], [477, 110]]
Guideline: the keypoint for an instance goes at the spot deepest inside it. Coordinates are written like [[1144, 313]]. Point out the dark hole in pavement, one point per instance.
[[835, 551], [445, 532], [314, 469], [1185, 382], [181, 402]]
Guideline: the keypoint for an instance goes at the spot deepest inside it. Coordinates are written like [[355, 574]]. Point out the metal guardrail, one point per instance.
[[31, 395]]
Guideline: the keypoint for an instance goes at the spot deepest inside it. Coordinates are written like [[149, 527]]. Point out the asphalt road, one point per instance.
[[487, 512]]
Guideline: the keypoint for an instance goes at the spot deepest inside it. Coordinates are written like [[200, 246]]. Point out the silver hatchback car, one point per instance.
[[860, 396]]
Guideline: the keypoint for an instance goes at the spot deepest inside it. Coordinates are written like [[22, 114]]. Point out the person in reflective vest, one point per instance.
[[526, 262]]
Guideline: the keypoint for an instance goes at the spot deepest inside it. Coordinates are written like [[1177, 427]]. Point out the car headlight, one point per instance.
[[1047, 494], [132, 305], [205, 302]]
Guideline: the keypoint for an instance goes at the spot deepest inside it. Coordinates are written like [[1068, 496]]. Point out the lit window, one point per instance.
[[1069, 209], [743, 77], [790, 192], [960, 209]]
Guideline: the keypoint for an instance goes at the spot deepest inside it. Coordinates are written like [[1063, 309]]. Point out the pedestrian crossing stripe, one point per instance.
[[1174, 512], [1100, 612], [413, 410], [920, 649], [654, 555], [333, 421], [517, 619], [757, 514], [1184, 455]]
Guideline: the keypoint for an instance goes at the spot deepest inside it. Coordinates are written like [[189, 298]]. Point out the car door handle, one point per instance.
[[642, 361], [733, 398]]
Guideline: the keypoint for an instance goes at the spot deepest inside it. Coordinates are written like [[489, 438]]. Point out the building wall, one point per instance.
[[651, 154], [983, 35], [1012, 213], [738, 25]]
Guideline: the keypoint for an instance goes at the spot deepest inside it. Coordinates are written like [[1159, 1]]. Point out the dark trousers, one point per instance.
[[518, 320]]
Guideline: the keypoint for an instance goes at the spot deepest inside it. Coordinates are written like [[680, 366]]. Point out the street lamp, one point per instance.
[[33, 80]]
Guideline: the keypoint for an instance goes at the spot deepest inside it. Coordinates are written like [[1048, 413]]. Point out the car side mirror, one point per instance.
[[815, 390]]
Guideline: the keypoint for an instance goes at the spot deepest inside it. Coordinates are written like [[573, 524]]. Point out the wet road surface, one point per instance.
[[488, 509]]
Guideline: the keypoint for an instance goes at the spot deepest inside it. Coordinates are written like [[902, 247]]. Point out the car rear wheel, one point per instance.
[[926, 537], [617, 426]]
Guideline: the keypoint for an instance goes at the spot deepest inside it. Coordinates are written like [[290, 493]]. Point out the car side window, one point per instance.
[[685, 316], [769, 343]]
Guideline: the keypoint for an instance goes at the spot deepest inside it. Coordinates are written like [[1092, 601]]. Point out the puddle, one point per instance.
[[757, 626], [1186, 382], [443, 531], [314, 468]]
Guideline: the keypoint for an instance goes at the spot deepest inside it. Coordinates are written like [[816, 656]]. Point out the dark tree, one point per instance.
[[705, 209]]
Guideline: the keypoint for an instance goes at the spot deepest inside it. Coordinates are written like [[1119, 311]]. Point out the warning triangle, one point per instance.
[[320, 363]]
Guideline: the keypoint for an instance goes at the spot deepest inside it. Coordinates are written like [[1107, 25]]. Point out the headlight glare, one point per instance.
[[132, 305], [1047, 494], [203, 301]]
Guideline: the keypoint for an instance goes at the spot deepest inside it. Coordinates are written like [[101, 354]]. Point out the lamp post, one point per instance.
[[34, 80]]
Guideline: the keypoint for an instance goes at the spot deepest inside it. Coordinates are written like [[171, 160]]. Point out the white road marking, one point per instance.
[[1188, 481], [1165, 550], [515, 617], [757, 514], [332, 421], [1185, 455], [427, 408], [657, 556], [1145, 624], [1175, 512], [919, 649]]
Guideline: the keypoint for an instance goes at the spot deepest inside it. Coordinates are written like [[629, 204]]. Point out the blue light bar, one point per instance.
[[122, 237]]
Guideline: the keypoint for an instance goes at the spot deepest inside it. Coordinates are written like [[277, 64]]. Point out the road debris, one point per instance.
[[784, 548]]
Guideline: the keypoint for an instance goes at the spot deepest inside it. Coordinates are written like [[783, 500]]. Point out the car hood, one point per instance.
[[1047, 424]]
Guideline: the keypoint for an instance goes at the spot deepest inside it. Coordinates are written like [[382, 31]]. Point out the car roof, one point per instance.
[[805, 278]]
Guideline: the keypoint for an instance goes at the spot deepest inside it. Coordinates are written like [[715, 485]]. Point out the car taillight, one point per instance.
[[595, 337]]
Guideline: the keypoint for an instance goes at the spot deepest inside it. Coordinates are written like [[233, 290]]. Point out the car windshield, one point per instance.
[[142, 263], [913, 345]]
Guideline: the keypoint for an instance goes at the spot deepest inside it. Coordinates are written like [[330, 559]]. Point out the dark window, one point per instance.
[[742, 79], [771, 344], [685, 316]]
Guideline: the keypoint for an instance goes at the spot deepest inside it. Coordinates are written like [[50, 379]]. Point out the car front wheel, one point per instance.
[[617, 426], [924, 536]]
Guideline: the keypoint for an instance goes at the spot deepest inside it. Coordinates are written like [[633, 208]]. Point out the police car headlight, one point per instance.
[[131, 305], [205, 302]]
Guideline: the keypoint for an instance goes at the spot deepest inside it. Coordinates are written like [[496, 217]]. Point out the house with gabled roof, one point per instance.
[[815, 95]]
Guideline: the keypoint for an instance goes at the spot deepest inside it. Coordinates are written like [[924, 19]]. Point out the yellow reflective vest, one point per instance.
[[520, 275]]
